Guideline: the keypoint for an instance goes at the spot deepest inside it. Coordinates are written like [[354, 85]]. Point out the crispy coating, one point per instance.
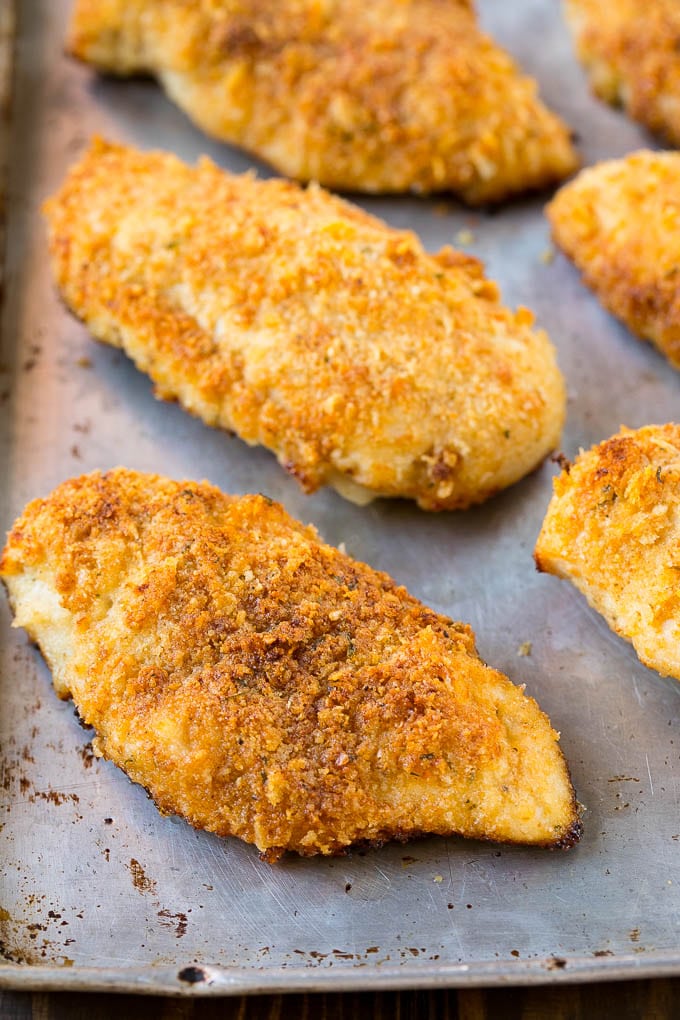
[[613, 529], [619, 222], [265, 685], [630, 51], [379, 97], [302, 323]]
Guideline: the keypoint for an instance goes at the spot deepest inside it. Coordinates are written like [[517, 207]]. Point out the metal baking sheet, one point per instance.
[[97, 889]]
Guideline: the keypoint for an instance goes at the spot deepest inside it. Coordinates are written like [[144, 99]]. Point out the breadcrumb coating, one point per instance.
[[302, 323], [264, 685], [619, 222], [630, 51], [613, 529], [378, 97]]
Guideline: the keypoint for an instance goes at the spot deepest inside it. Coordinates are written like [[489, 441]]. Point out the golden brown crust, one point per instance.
[[263, 684], [630, 50], [619, 222], [378, 96], [302, 323], [612, 528]]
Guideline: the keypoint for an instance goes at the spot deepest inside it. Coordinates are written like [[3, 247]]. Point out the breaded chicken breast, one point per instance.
[[620, 224], [613, 529], [264, 685], [630, 51], [302, 323], [374, 97]]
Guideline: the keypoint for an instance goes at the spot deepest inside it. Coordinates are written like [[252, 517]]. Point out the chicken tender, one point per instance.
[[374, 97], [630, 51], [620, 224], [302, 323], [264, 685], [613, 529]]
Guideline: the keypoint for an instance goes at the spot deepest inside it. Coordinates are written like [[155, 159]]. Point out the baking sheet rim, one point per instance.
[[223, 981]]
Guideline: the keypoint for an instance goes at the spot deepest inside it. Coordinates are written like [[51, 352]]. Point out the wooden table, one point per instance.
[[630, 1000]]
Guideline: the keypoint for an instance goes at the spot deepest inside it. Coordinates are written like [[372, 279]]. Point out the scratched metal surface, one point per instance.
[[97, 889]]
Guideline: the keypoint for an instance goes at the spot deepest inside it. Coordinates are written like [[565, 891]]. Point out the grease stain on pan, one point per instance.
[[360, 958], [33, 941], [178, 922], [14, 780], [140, 879]]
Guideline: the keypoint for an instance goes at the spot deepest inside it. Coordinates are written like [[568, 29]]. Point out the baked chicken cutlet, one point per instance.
[[613, 529], [300, 322], [362, 96], [264, 685], [619, 222], [630, 51]]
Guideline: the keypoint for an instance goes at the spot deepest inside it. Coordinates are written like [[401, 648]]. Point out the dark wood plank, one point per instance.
[[625, 1000], [632, 1000]]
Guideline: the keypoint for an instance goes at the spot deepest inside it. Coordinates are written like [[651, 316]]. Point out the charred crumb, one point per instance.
[[87, 755], [32, 360], [79, 719], [192, 975], [562, 461], [571, 837]]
